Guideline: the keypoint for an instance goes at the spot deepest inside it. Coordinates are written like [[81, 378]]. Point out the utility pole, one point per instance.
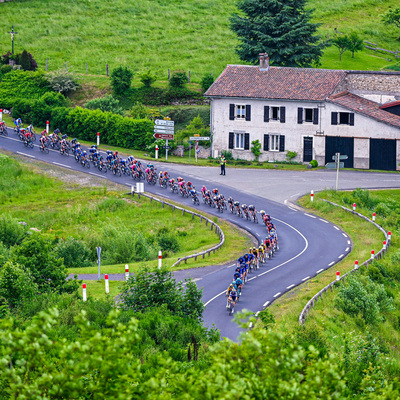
[[12, 38]]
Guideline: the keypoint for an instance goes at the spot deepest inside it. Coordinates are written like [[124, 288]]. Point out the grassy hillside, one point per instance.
[[169, 34]]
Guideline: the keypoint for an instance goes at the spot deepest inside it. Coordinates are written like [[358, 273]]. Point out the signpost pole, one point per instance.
[[190, 149], [337, 169], [98, 260], [195, 150], [166, 150]]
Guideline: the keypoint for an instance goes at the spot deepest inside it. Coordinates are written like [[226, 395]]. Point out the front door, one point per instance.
[[307, 148]]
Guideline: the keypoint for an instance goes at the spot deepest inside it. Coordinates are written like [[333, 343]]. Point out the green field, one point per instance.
[[170, 34]]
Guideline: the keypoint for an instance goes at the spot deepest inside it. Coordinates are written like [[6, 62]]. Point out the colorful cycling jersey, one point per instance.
[[236, 275], [233, 295], [238, 282]]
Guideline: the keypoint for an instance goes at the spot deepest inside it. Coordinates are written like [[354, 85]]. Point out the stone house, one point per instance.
[[313, 112]]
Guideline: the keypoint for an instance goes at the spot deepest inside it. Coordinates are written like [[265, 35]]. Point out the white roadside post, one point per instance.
[[312, 196], [156, 151], [372, 254], [84, 292], [1, 114], [338, 276], [373, 217], [107, 284], [160, 259], [354, 206], [98, 139], [126, 272], [384, 245], [98, 261], [389, 235], [356, 264], [47, 127]]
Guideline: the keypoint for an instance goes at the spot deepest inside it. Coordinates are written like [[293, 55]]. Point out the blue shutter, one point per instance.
[[334, 118], [231, 140], [281, 143], [248, 112], [266, 142], [231, 112], [315, 116], [283, 114]]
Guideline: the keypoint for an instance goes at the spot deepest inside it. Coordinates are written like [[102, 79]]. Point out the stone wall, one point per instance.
[[203, 153]]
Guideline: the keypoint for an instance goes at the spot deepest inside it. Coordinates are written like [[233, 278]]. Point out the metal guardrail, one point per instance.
[[312, 301], [213, 226]]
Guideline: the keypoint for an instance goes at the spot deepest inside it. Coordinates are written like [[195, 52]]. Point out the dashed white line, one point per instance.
[[230, 266], [265, 304], [258, 234], [276, 295], [293, 209], [160, 194], [347, 249], [62, 165], [341, 256], [311, 216], [348, 242], [258, 312], [304, 279], [250, 325], [320, 270], [344, 234], [290, 286], [336, 228], [254, 277], [92, 173], [333, 262], [323, 220], [26, 155]]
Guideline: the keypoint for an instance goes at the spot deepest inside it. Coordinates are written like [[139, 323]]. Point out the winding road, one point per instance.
[[308, 244]]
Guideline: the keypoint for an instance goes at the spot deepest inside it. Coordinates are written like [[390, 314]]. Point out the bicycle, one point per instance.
[[195, 198], [3, 130], [64, 151], [44, 149], [28, 143], [85, 163], [230, 307]]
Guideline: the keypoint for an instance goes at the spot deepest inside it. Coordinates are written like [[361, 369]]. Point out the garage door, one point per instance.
[[382, 154], [342, 145]]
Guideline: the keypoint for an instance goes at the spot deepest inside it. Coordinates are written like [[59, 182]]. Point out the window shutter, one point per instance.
[[334, 116], [351, 119], [266, 113], [283, 114], [248, 112], [266, 142], [247, 141], [315, 120], [300, 115], [231, 112], [281, 143], [231, 140]]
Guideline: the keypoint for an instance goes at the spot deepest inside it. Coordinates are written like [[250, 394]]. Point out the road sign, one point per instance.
[[165, 129], [341, 157], [165, 136], [164, 122], [332, 165], [166, 147], [199, 138]]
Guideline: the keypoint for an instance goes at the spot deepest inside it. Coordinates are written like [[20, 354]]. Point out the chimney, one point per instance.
[[264, 62]]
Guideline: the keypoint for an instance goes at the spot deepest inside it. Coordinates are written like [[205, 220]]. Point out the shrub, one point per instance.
[[106, 104], [62, 82], [206, 81], [227, 154], [147, 78], [121, 78], [168, 241], [140, 111], [256, 148], [74, 252], [178, 79], [11, 232], [290, 155], [4, 254], [314, 163]]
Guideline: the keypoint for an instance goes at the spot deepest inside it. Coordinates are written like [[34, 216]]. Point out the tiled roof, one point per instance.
[[276, 83], [391, 104], [365, 107]]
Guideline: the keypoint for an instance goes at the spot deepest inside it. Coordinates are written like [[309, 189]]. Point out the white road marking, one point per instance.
[[258, 312], [304, 279], [323, 220], [347, 249], [26, 155], [258, 234], [289, 287], [250, 325], [344, 234], [320, 270], [265, 304], [341, 256], [293, 209], [209, 301], [230, 266], [336, 228], [254, 277], [333, 262], [92, 173], [311, 216], [276, 295], [62, 165], [348, 242], [160, 194]]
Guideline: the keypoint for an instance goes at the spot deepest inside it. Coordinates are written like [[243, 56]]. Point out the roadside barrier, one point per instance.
[[213, 226], [385, 248]]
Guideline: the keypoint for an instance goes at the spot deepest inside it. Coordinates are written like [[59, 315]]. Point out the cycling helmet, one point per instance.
[[251, 207], [244, 206], [215, 191], [84, 152], [189, 183], [233, 290], [93, 146], [236, 203], [109, 152], [262, 212], [179, 179]]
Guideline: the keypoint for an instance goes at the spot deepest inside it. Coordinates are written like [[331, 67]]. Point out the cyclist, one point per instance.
[[43, 140], [189, 185], [252, 211], [232, 296], [18, 124], [215, 192], [30, 129]]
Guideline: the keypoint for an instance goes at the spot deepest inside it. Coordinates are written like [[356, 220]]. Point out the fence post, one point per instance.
[[86, 68], [126, 272], [189, 75], [46, 65], [107, 70], [169, 74], [66, 67]]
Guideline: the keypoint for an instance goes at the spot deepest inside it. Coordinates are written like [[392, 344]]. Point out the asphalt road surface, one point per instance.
[[308, 244]]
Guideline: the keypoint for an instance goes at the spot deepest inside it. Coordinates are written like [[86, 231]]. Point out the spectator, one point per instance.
[[223, 162]]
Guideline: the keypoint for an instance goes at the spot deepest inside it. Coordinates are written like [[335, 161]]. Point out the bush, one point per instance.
[[121, 78], [11, 232], [314, 163], [147, 78], [178, 79], [74, 252], [106, 104], [227, 154], [206, 81], [62, 82], [168, 241], [290, 155]]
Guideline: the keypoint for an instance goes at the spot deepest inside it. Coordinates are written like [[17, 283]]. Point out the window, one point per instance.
[[274, 142], [239, 141], [342, 118], [309, 115], [274, 113], [240, 111]]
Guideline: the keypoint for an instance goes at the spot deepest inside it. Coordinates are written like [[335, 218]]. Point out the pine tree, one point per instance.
[[282, 28], [25, 61]]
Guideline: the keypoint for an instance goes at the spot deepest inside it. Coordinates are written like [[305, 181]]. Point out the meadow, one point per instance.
[[171, 34]]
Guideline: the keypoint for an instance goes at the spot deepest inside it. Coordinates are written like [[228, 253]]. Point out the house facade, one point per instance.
[[312, 112]]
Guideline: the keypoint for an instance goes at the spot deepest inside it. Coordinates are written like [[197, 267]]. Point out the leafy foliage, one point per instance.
[[149, 288], [290, 155], [106, 104], [282, 28], [392, 17], [355, 43], [121, 78], [196, 126], [342, 42], [147, 78], [256, 148], [74, 253], [62, 82], [11, 231], [178, 79], [140, 111], [206, 81]]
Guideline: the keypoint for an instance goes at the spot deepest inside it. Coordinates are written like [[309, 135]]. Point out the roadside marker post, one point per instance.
[[156, 151], [389, 235], [160, 259], [84, 292], [338, 276], [354, 206], [98, 139], [373, 217], [1, 114], [47, 127], [126, 272], [312, 196], [107, 284], [356, 264], [372, 254], [384, 245], [98, 261]]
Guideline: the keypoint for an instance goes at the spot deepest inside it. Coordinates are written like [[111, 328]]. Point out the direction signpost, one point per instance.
[[337, 164], [197, 138], [164, 129]]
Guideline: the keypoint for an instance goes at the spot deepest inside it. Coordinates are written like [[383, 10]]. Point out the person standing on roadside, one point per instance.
[[223, 163]]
